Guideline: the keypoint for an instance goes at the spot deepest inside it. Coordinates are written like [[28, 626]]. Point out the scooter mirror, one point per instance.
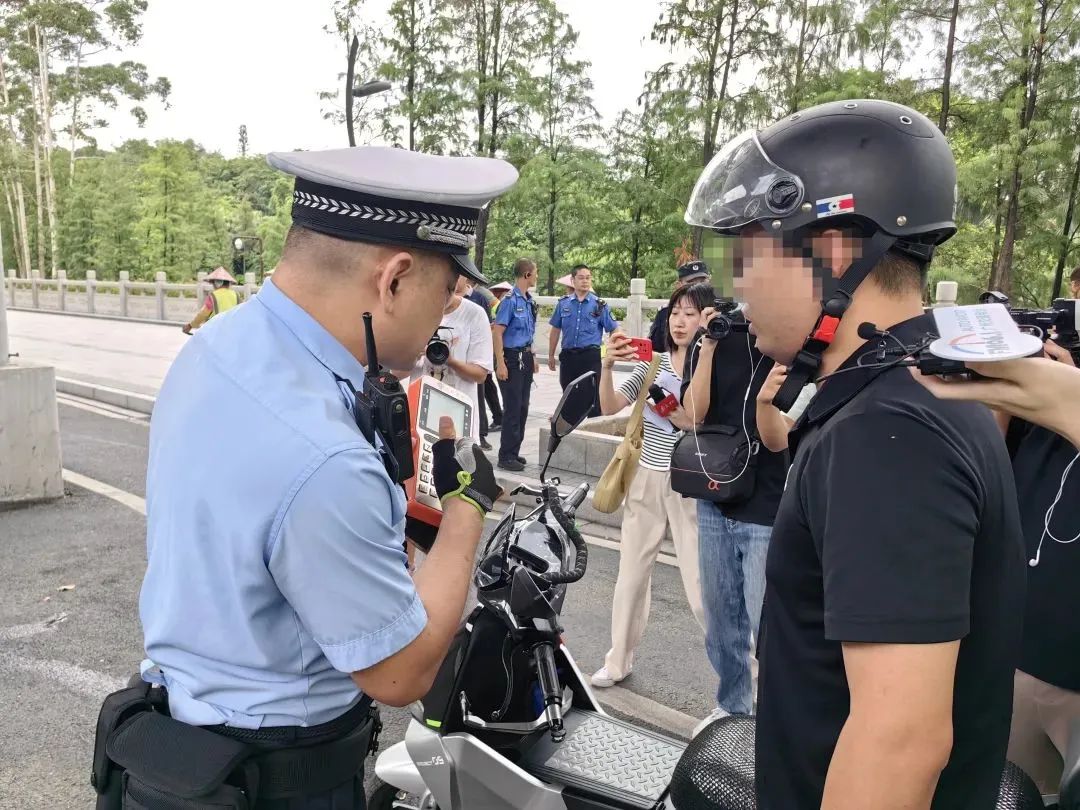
[[574, 407]]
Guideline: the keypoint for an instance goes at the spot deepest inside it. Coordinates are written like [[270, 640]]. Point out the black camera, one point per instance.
[[728, 321], [438, 348], [1062, 317]]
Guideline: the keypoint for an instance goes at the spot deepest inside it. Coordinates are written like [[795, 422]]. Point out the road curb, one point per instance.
[[97, 316], [140, 403]]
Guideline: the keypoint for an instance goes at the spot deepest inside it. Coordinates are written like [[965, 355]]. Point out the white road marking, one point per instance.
[[85, 682], [21, 631], [109, 491], [101, 409]]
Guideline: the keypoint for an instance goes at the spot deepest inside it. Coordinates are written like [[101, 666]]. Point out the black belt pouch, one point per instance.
[[169, 765], [118, 708]]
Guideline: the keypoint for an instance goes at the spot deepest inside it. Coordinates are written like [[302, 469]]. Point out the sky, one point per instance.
[[262, 63]]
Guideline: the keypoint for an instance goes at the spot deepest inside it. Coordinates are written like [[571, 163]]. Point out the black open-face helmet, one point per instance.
[[880, 168], [881, 165]]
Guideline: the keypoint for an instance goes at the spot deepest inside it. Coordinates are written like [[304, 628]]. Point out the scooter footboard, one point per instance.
[[608, 759]]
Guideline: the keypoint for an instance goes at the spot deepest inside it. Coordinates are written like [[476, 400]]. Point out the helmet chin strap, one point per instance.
[[834, 304]]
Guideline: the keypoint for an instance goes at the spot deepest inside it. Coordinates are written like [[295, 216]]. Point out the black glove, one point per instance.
[[461, 470]]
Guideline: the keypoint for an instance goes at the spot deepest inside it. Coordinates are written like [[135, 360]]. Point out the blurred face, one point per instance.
[[583, 281], [777, 284], [683, 322], [1074, 286]]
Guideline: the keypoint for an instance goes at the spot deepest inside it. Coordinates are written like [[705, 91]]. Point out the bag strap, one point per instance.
[[637, 418]]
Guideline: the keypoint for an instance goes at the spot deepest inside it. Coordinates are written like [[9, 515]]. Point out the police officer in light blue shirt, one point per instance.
[[277, 602], [581, 319]]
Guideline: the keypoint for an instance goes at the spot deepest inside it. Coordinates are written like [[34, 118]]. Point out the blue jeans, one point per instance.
[[732, 560]]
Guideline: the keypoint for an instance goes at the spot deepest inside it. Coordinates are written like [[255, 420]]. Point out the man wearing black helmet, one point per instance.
[[895, 575]]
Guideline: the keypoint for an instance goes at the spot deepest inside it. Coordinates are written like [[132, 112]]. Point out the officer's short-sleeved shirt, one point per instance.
[[1051, 647], [582, 321], [517, 312], [274, 534], [898, 525]]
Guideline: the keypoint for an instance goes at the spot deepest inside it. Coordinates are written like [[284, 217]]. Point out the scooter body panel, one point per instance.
[[395, 766]]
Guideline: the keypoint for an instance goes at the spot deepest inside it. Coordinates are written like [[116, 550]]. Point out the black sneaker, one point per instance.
[[513, 465], [485, 444], [522, 459], [495, 426]]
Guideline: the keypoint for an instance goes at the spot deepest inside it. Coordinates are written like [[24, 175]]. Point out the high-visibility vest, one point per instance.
[[224, 299]]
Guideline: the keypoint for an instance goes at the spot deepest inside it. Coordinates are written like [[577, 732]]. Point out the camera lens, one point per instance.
[[719, 327], [438, 352]]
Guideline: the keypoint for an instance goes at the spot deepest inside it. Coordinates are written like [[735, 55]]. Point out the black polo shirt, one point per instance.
[[899, 525], [1051, 646], [734, 363]]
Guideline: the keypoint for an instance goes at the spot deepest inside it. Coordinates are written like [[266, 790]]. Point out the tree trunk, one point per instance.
[[796, 88], [20, 224], [553, 202], [635, 248], [481, 236], [35, 137], [46, 129], [410, 90], [1001, 278], [946, 84], [75, 114], [350, 81], [1066, 232], [708, 144]]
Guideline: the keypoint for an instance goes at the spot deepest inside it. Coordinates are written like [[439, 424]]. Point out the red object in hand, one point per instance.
[[643, 347], [663, 402]]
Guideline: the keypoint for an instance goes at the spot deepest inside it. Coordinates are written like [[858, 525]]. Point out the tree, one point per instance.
[[565, 116], [812, 35], [428, 106], [365, 60], [243, 140], [498, 44], [1020, 42]]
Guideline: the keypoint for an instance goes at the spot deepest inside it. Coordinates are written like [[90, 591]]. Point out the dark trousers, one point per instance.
[[516, 390], [488, 391], [575, 362], [349, 796]]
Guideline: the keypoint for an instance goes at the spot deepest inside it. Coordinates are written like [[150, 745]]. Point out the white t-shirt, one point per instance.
[[468, 330]]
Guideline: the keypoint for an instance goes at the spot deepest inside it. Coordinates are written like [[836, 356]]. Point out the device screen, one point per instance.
[[438, 405]]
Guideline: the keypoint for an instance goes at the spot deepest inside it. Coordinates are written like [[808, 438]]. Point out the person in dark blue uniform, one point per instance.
[[581, 318], [690, 273], [513, 333]]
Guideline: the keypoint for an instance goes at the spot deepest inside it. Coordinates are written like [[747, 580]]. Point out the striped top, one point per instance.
[[657, 443]]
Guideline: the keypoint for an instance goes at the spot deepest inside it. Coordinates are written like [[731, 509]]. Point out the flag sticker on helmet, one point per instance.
[[831, 206]]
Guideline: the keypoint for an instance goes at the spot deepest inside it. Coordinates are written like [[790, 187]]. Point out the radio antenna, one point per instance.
[[369, 336]]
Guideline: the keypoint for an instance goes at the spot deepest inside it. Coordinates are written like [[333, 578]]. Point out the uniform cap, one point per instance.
[[693, 270], [396, 197]]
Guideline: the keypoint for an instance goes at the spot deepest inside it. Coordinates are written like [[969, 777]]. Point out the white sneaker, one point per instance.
[[714, 715], [602, 678]]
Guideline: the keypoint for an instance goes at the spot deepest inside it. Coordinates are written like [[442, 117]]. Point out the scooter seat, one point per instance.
[[606, 759], [717, 770], [717, 773]]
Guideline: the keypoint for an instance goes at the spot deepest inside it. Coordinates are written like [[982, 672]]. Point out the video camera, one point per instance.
[[438, 348], [729, 321], [1062, 317]]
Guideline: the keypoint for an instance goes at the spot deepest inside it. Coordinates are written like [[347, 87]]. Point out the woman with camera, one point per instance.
[[651, 506]]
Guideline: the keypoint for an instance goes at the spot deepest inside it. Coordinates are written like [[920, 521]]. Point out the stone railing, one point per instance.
[[176, 303]]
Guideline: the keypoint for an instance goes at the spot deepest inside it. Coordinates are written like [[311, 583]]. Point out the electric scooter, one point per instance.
[[511, 721]]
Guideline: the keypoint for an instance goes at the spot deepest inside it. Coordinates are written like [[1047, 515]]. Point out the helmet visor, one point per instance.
[[740, 186]]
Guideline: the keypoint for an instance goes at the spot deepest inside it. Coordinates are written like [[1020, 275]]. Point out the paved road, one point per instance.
[[52, 678]]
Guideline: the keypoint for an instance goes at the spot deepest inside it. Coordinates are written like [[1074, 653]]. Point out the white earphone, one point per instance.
[[1034, 561]]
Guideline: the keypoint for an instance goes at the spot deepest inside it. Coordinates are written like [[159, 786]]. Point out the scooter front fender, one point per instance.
[[395, 767]]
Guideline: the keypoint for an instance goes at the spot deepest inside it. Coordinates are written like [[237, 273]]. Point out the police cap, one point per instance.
[[396, 197]]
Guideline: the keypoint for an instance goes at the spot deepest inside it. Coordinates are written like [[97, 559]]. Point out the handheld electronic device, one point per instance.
[[644, 349], [663, 402], [430, 399]]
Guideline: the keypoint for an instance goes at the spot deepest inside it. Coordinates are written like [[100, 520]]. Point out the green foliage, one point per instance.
[[507, 78]]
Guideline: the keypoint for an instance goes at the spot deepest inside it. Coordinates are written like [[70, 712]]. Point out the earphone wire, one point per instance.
[[1049, 516], [750, 452]]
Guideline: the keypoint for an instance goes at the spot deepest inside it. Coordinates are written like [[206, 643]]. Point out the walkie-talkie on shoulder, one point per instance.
[[389, 409]]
